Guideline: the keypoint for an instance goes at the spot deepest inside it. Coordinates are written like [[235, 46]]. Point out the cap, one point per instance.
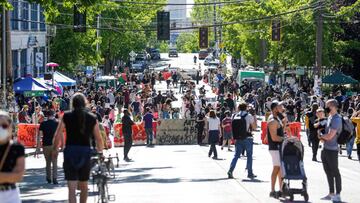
[[275, 104]]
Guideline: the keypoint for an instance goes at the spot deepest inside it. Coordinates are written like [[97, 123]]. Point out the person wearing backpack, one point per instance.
[[242, 123], [329, 154]]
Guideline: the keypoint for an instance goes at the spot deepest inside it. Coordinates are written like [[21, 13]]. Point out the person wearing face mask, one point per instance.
[[12, 162], [329, 155], [275, 138]]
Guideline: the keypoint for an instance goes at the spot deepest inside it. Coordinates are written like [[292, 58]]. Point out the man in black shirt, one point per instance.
[[47, 131], [230, 103]]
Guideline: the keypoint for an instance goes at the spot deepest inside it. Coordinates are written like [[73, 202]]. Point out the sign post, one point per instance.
[[132, 55]]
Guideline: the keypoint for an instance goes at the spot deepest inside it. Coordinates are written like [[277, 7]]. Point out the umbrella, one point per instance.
[[338, 78], [52, 64], [29, 84]]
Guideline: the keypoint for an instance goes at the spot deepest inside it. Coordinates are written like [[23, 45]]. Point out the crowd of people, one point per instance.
[[87, 114]]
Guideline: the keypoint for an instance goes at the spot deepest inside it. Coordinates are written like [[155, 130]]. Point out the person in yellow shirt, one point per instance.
[[356, 119]]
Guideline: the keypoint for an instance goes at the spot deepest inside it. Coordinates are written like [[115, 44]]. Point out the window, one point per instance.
[[34, 16], [42, 20], [15, 15], [23, 65], [14, 54], [25, 16]]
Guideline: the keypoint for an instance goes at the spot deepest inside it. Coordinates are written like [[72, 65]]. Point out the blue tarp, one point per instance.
[[29, 84], [63, 80]]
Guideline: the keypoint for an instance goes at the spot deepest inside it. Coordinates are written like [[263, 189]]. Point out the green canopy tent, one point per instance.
[[338, 78]]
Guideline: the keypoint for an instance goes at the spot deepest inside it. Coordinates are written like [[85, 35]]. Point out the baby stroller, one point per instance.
[[292, 167]]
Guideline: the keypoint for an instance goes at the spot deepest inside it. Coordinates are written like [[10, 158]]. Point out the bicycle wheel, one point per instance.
[[111, 168], [103, 190]]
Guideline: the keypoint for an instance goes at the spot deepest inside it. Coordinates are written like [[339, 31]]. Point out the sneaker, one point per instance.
[[230, 175], [336, 198], [349, 157], [314, 159], [214, 157], [252, 176], [327, 197], [274, 194]]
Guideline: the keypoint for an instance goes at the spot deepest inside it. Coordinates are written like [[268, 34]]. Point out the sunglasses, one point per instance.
[[5, 126]]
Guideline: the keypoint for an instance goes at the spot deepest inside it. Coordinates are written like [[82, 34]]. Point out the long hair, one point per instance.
[[78, 104]]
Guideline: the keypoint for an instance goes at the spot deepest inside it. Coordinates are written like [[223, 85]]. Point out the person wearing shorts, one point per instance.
[[275, 138], [80, 125]]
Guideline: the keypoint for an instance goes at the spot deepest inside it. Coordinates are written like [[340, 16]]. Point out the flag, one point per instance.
[[122, 78], [166, 75]]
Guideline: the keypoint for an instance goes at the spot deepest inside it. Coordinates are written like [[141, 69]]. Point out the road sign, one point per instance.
[[132, 54], [33, 93], [132, 58], [39, 59]]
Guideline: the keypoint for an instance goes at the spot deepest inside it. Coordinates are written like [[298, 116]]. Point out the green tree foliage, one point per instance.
[[188, 42]]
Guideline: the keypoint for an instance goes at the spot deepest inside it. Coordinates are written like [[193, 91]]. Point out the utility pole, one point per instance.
[[319, 49], [3, 57], [215, 30], [97, 33], [319, 40], [262, 48]]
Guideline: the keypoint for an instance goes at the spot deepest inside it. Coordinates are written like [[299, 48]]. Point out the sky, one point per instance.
[[189, 7]]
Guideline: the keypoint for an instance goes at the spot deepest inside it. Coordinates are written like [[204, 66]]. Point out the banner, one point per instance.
[[138, 134], [174, 132]]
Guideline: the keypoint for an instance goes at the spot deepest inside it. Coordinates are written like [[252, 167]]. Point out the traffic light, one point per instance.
[[163, 25], [203, 37], [79, 20], [275, 30]]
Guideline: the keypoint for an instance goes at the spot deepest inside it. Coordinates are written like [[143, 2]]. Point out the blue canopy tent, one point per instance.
[[63, 80], [29, 84]]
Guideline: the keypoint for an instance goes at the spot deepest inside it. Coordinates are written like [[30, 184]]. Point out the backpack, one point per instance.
[[346, 132], [238, 125]]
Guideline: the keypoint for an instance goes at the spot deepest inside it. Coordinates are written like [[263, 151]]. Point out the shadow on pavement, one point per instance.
[[253, 181], [142, 179], [41, 201], [137, 170]]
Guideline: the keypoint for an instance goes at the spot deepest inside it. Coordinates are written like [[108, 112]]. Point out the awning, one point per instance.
[[63, 80], [29, 84], [338, 78]]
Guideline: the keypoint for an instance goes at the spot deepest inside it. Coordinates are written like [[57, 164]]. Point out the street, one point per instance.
[[184, 173]]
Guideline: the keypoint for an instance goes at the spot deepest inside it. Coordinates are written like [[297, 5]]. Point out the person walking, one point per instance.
[[275, 137], [214, 131], [242, 123], [356, 120], [227, 131], [200, 125], [148, 120], [313, 133], [80, 126], [47, 131], [12, 162], [127, 124], [329, 154]]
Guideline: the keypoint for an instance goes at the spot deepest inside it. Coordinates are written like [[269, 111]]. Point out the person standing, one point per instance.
[[275, 137], [329, 154], [47, 131], [148, 120], [313, 133], [127, 124], [214, 131], [12, 162], [200, 125], [242, 123], [356, 119], [80, 126]]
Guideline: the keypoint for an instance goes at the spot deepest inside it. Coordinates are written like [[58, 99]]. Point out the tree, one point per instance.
[[188, 42]]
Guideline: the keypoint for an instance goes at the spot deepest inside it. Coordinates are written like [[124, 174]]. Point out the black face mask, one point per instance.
[[280, 116], [327, 110]]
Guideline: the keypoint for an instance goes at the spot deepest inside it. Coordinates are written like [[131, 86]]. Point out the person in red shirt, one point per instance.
[[226, 125]]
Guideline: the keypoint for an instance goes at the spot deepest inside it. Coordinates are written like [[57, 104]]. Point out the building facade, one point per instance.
[[179, 18], [28, 39]]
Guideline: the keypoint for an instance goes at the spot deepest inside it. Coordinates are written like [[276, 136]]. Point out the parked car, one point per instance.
[[203, 54], [155, 54], [140, 64], [173, 52]]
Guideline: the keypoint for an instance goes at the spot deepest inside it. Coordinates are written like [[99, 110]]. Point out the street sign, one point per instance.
[[132, 58], [300, 71], [39, 59], [132, 54], [33, 93]]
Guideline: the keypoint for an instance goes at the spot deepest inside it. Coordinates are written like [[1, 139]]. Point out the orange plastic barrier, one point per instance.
[[295, 129], [264, 132], [26, 134], [139, 135]]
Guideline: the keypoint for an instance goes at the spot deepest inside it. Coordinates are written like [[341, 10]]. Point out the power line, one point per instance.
[[180, 4]]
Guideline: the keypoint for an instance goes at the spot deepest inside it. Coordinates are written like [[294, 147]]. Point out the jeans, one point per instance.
[[246, 144], [330, 164], [350, 145], [149, 135], [127, 144], [50, 159], [165, 115]]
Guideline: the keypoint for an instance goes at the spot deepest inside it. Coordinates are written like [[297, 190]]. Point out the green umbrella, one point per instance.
[[338, 78]]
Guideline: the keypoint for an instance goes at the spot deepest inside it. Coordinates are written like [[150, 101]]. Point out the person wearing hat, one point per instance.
[[227, 131], [47, 131], [23, 115], [275, 137]]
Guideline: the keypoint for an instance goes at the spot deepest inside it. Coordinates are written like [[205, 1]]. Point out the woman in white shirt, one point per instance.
[[213, 126]]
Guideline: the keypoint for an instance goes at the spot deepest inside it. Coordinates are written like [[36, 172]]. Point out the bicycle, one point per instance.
[[100, 175]]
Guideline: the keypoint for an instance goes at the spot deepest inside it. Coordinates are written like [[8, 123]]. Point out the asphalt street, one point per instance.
[[186, 174]]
